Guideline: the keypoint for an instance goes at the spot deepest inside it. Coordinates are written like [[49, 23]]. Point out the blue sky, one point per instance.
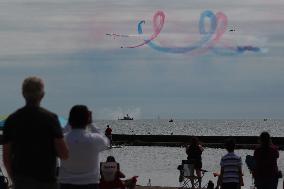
[[64, 42]]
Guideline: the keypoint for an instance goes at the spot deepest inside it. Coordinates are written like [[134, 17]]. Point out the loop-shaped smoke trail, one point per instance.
[[158, 23], [213, 22], [206, 36], [221, 27], [208, 41]]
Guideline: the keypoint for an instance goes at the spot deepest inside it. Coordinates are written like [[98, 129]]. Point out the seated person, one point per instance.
[[111, 176]]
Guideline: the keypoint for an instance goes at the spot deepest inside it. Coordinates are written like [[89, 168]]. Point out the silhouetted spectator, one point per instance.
[[194, 152], [33, 140], [231, 168], [81, 170], [108, 133], [266, 170]]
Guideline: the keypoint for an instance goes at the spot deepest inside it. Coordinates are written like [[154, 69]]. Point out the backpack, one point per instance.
[[250, 161]]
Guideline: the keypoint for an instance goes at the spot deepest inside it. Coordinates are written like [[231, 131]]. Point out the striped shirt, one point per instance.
[[231, 163]]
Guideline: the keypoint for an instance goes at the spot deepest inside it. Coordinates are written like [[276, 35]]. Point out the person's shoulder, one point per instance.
[[274, 148], [189, 146], [15, 114], [231, 155], [49, 115], [95, 136], [224, 157], [19, 111], [234, 155], [47, 112], [238, 157]]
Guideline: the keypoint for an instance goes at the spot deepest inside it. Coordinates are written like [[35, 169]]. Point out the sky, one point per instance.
[[65, 43]]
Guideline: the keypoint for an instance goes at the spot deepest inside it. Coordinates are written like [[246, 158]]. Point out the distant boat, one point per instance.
[[171, 120], [126, 118]]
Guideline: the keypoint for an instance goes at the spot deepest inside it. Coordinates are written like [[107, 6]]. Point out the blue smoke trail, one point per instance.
[[206, 35]]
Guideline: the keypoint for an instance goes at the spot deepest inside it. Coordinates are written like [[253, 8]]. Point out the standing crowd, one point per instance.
[[34, 145]]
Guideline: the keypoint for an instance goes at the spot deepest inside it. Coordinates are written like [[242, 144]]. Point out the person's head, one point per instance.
[[110, 159], [264, 139], [79, 117], [107, 126], [33, 90], [194, 141], [230, 144]]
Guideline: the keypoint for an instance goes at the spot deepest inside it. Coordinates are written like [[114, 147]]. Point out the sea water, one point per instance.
[[159, 164], [199, 127]]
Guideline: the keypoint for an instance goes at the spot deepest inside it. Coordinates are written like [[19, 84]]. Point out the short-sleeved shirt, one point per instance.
[[83, 165], [266, 162], [231, 164], [194, 155], [194, 152], [31, 132]]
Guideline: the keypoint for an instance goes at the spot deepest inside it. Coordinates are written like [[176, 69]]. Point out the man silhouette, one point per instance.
[[33, 140]]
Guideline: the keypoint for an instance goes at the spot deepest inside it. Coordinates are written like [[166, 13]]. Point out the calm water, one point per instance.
[[196, 127], [160, 163]]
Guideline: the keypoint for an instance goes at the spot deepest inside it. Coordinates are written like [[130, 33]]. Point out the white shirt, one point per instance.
[[91, 127], [83, 164]]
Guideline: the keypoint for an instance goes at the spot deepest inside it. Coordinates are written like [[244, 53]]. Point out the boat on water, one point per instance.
[[171, 120], [127, 117]]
